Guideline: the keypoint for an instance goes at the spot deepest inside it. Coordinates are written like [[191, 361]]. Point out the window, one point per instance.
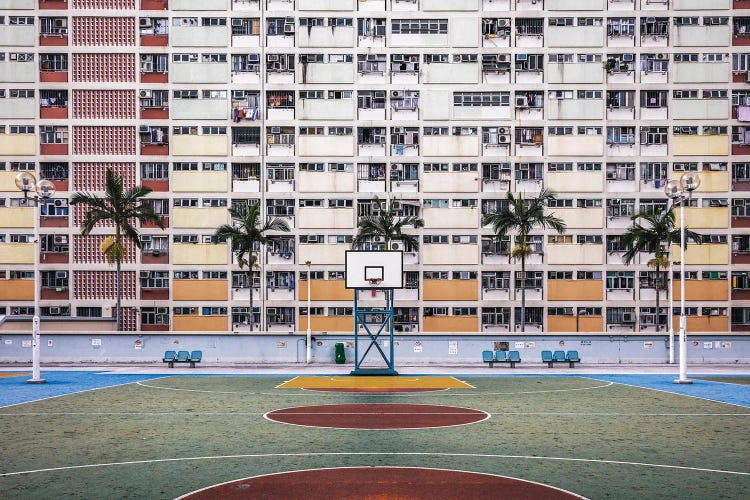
[[419, 26], [155, 316]]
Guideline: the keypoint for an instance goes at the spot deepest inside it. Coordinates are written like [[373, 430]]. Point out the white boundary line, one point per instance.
[[230, 414], [674, 393], [390, 394], [374, 454], [487, 415], [379, 467]]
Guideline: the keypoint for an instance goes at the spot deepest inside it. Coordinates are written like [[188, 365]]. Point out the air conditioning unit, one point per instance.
[[372, 57], [502, 57], [60, 239], [522, 101], [627, 57], [501, 130], [397, 246], [54, 311], [288, 29], [145, 275], [503, 139], [503, 23], [145, 94], [397, 58], [61, 275], [272, 57], [145, 22], [397, 94], [628, 317], [377, 239], [236, 22], [144, 129], [275, 130], [145, 57], [660, 56]]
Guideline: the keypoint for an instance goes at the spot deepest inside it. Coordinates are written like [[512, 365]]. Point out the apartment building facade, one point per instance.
[[313, 107]]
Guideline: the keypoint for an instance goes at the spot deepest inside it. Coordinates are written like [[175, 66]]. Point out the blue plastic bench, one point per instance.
[[572, 358], [513, 358], [488, 357], [547, 358], [559, 357], [169, 357], [501, 356], [195, 357]]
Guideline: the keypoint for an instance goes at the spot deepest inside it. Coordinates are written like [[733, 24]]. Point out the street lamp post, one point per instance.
[[309, 333], [682, 191], [42, 190]]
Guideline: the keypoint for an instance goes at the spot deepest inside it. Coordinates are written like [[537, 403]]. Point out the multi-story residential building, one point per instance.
[[312, 107]]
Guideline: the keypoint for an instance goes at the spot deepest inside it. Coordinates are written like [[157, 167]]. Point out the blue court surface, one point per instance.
[[734, 394], [14, 390]]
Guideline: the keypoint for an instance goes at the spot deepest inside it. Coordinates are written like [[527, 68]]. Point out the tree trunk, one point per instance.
[[658, 283], [252, 313], [523, 290], [118, 291]]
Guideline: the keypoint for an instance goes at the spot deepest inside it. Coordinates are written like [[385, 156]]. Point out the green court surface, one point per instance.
[[168, 436]]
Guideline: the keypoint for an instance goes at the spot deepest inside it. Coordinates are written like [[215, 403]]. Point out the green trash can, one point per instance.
[[340, 357]]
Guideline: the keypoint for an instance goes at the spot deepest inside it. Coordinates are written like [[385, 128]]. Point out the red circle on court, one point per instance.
[[377, 416], [382, 482]]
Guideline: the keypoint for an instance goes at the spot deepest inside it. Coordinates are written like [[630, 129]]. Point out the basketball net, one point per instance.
[[374, 283]]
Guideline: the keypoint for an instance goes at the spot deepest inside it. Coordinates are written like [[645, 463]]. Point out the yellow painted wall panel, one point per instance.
[[696, 324], [200, 182], [199, 218], [561, 323], [16, 289], [199, 253], [591, 324], [711, 182], [451, 290], [451, 324], [702, 254], [328, 323], [705, 217], [8, 182], [574, 253], [17, 144], [200, 323], [200, 145], [325, 290], [450, 254], [16, 253], [574, 182], [200, 290], [700, 145], [17, 217], [575, 290], [704, 290]]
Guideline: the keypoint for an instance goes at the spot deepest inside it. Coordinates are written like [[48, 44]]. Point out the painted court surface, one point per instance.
[[104, 435]]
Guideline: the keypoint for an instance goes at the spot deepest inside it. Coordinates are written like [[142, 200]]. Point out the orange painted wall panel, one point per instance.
[[702, 290], [200, 323], [200, 290], [697, 324], [561, 323], [451, 324], [575, 290], [451, 290], [16, 289], [325, 290]]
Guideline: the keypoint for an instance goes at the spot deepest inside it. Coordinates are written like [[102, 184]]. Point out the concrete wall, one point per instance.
[[290, 348]]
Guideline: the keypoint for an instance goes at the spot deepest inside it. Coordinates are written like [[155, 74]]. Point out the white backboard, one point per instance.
[[387, 266]]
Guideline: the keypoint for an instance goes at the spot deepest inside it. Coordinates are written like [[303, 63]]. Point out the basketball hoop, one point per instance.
[[374, 283]]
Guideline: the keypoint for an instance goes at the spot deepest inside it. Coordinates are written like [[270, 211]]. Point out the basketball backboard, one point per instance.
[[383, 269]]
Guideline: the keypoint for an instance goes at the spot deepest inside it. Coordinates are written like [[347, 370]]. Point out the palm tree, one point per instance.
[[245, 233], [122, 208], [654, 233], [388, 226], [522, 216]]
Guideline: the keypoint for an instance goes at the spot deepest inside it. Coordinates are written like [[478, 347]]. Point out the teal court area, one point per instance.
[[166, 434]]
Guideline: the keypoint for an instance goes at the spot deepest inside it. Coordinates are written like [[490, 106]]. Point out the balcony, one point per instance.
[[219, 324], [199, 218], [438, 254], [702, 35], [325, 145], [16, 253], [450, 324], [17, 217], [575, 145], [154, 4], [16, 289], [199, 254], [200, 290], [200, 145], [326, 109], [575, 290], [200, 72], [575, 182], [23, 108], [325, 218], [580, 218], [575, 109], [451, 290], [200, 181], [21, 35], [199, 36], [708, 253], [326, 182], [573, 253], [326, 36], [700, 145], [15, 71], [323, 254], [200, 109], [331, 72], [575, 36], [701, 72], [450, 73], [325, 290], [452, 145]]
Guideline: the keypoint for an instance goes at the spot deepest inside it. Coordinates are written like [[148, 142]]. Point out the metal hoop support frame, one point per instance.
[[384, 325]]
